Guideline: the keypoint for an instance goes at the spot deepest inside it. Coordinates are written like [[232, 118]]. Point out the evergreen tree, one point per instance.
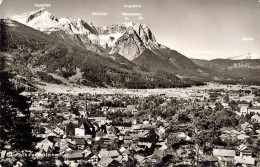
[[14, 129]]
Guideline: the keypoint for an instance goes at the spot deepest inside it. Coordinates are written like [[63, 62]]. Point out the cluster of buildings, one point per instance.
[[78, 129]]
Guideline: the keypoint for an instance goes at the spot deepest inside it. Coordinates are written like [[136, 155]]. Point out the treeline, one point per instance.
[[47, 78], [101, 71]]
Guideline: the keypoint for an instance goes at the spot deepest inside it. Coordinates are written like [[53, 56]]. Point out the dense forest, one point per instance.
[[15, 128]]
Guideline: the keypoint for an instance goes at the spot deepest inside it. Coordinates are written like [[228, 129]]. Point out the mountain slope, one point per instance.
[[34, 51], [165, 59], [243, 71]]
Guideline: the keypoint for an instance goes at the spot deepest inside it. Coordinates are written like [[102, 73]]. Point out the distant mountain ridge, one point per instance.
[[240, 71], [245, 56]]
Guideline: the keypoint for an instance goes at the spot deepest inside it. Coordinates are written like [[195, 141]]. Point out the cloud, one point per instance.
[[209, 52]]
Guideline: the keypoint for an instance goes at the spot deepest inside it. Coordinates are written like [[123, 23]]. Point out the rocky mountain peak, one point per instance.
[[129, 45], [146, 35], [128, 39]]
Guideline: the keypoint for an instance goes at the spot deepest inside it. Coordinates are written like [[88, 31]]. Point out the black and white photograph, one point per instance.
[[129, 83]]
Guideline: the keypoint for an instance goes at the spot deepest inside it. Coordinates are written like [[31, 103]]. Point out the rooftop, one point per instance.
[[224, 152]]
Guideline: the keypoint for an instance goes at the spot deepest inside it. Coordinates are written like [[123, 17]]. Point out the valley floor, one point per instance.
[[172, 92]]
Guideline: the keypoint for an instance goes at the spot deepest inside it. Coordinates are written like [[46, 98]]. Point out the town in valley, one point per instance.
[[207, 127]]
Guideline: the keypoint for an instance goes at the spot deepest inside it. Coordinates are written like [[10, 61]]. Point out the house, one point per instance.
[[158, 153], [224, 153], [144, 144], [93, 160], [118, 160], [244, 161], [246, 126], [3, 154], [87, 153], [108, 154], [132, 108], [127, 139], [210, 159], [140, 159], [66, 122], [115, 109], [182, 135], [64, 145], [150, 139], [255, 119], [7, 146], [254, 110], [58, 131], [163, 146], [242, 137], [89, 141], [100, 120], [74, 155], [245, 153], [110, 136], [36, 103], [74, 164], [225, 105], [125, 157], [104, 109], [37, 108], [146, 122], [243, 108], [46, 149], [241, 147], [161, 131], [225, 156], [122, 125], [84, 127], [45, 146], [80, 143], [99, 135], [112, 129], [105, 162]]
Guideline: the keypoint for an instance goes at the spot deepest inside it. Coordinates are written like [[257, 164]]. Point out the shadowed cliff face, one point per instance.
[[129, 45]]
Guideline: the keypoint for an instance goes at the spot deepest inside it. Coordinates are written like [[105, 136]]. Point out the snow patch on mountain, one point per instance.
[[106, 37], [39, 19], [110, 39], [44, 21]]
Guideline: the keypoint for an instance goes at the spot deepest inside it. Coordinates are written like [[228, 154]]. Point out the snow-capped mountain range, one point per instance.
[[112, 39]]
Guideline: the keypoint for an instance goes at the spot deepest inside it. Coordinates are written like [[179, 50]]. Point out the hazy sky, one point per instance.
[[204, 29]]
